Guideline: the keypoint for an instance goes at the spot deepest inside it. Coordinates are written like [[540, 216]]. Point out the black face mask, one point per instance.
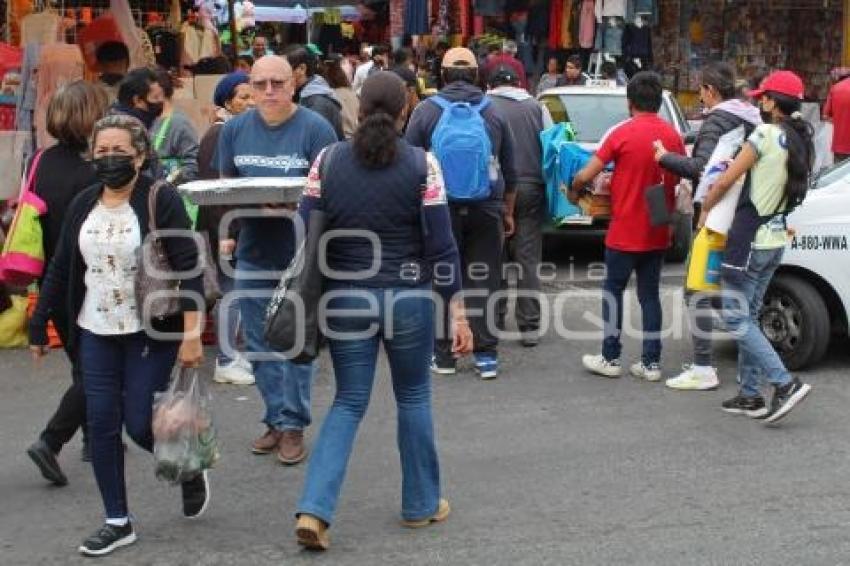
[[115, 171], [154, 109]]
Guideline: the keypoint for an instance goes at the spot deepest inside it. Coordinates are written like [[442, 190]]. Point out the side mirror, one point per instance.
[[690, 137]]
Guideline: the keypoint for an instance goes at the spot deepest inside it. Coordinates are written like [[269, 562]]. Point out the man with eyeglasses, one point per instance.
[[276, 139]]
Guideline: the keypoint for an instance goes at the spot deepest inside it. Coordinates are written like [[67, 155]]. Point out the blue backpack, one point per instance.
[[462, 146]]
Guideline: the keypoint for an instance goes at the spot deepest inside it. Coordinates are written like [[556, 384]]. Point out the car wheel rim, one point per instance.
[[781, 322]]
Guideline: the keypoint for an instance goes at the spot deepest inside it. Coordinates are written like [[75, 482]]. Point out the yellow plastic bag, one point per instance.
[[704, 262], [13, 324]]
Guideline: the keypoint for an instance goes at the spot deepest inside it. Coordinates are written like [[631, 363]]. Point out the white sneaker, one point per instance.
[[600, 366], [652, 372], [692, 379], [232, 373]]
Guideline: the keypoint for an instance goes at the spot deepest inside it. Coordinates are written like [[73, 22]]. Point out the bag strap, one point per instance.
[[153, 192], [323, 168], [27, 186], [159, 139], [422, 171]]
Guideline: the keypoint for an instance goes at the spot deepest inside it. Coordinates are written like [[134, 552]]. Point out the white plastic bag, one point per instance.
[[724, 152], [184, 437]]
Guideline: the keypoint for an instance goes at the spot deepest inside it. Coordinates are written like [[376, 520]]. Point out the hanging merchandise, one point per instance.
[[556, 19], [136, 40], [637, 43], [102, 30], [58, 64], [612, 39], [610, 9], [587, 24], [40, 27]]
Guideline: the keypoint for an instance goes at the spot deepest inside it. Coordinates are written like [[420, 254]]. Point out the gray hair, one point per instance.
[[139, 138], [510, 46]]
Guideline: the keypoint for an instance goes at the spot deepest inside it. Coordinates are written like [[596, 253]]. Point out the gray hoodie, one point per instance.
[[526, 118], [178, 152], [720, 120], [319, 97]]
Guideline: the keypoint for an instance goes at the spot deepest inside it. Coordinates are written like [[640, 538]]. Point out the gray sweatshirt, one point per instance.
[[178, 151], [526, 118]]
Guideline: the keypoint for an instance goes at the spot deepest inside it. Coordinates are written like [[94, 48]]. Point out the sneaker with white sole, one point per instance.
[[694, 379], [234, 372], [752, 407], [649, 372], [600, 366], [107, 539], [487, 365], [786, 398]]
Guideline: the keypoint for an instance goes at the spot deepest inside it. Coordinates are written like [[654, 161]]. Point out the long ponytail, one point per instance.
[[375, 141], [801, 149]]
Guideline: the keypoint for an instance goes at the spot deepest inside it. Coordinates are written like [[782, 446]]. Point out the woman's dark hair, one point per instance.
[[801, 149], [334, 74], [137, 83], [73, 111], [166, 81], [722, 77], [382, 101], [300, 55], [645, 92]]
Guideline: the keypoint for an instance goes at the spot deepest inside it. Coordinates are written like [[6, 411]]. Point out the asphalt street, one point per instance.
[[544, 465]]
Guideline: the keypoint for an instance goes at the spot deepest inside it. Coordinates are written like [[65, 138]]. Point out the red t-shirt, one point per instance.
[[629, 146], [838, 110]]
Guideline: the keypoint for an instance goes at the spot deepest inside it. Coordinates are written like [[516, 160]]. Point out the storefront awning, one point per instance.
[[311, 3]]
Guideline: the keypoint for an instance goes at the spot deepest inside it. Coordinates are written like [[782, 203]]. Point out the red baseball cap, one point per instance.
[[780, 82]]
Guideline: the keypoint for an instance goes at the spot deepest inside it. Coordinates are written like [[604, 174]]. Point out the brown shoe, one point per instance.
[[312, 532], [267, 443], [441, 515], [291, 449]]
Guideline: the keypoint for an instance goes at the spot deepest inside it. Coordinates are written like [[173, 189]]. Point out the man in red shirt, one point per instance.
[[506, 58], [632, 242], [837, 111]]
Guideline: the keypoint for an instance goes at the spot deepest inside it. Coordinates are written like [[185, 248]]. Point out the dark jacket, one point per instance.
[[63, 288], [319, 97], [720, 121], [424, 120]]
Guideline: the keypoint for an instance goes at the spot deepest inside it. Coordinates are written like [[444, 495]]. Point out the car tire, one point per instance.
[[796, 321], [682, 238]]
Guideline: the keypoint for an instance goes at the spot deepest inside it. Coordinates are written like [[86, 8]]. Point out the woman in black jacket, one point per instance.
[[71, 115], [91, 277], [724, 114]]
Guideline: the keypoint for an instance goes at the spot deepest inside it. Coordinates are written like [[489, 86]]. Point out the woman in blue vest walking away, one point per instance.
[[393, 194]]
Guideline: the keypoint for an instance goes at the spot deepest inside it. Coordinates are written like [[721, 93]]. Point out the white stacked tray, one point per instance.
[[244, 191]]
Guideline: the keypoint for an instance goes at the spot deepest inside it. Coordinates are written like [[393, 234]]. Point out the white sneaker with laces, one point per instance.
[[651, 372], [695, 379], [233, 373], [600, 366]]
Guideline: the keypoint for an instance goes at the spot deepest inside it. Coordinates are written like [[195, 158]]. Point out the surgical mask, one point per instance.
[[115, 170]]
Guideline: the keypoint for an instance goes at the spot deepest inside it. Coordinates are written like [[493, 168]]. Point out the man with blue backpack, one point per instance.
[[475, 148]]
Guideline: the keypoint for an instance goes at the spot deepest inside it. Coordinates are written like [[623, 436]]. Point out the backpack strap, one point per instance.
[[422, 175], [323, 168], [485, 102], [441, 102]]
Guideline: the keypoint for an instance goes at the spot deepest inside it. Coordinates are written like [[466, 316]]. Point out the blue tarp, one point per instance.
[[562, 159]]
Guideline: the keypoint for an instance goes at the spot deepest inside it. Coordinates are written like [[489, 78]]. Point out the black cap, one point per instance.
[[408, 76], [503, 75]]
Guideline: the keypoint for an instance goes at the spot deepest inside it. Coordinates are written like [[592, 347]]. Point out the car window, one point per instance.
[[832, 174], [593, 114]]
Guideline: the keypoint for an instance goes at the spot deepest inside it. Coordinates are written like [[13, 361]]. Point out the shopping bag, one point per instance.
[[185, 441], [704, 262], [22, 258], [13, 324]]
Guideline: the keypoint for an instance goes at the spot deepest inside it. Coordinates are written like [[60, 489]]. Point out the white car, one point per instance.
[[592, 111], [809, 298]]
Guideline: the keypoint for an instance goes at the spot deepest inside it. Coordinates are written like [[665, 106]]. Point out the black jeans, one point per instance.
[[70, 415], [525, 250], [479, 232]]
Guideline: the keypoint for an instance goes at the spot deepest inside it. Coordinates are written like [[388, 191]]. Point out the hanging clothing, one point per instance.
[[556, 19], [29, 91], [647, 8], [489, 7], [610, 9], [637, 43], [59, 64], [416, 17], [137, 42], [587, 24], [566, 40], [166, 46], [612, 39], [198, 43], [538, 20], [41, 28]]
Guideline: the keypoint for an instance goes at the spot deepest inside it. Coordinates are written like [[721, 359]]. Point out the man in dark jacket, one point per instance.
[[527, 118], [479, 226], [312, 90]]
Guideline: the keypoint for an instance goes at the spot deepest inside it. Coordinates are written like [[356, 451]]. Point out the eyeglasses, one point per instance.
[[263, 84]]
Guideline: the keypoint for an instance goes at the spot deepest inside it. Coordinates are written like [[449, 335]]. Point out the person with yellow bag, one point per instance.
[[727, 123]]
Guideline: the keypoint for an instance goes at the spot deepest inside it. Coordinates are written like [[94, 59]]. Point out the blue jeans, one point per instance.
[[756, 356], [285, 386], [619, 267], [227, 331], [120, 376], [405, 326]]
